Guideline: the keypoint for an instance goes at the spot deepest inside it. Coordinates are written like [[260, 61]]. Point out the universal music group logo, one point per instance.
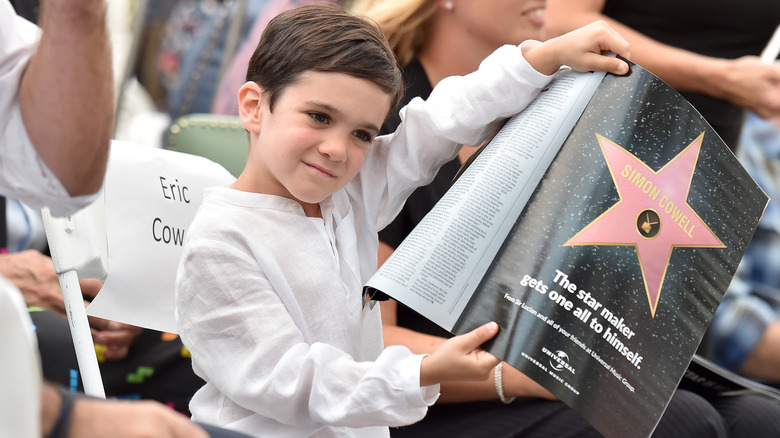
[[559, 360]]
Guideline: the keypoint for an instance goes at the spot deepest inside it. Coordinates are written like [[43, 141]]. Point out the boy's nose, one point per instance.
[[335, 149]]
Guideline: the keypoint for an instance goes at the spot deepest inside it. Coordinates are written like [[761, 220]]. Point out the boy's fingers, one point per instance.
[[613, 41], [607, 63], [481, 334], [620, 47], [617, 66]]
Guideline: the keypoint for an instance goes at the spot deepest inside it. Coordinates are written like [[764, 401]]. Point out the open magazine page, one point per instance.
[[438, 265], [611, 274]]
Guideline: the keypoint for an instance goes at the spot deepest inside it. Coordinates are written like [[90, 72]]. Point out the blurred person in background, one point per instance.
[[706, 50]]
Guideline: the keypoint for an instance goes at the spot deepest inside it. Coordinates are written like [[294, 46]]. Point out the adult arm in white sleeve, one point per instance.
[[56, 105], [67, 93]]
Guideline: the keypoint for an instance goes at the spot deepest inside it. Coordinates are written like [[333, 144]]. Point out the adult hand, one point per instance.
[[751, 84], [98, 418], [33, 273], [115, 336]]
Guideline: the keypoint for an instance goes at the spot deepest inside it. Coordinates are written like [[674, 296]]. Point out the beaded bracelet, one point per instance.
[[61, 428], [500, 385]]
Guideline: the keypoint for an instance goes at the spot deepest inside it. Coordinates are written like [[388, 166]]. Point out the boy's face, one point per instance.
[[317, 137]]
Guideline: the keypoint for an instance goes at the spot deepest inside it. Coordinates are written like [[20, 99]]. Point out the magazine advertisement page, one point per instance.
[[609, 277]]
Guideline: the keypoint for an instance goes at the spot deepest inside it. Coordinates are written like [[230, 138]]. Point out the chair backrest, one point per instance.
[[132, 236], [151, 195], [219, 138]]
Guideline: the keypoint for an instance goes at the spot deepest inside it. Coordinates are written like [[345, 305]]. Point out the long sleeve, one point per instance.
[[461, 110]]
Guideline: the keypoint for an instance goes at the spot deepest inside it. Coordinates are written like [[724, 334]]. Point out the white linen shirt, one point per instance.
[[269, 301], [23, 175]]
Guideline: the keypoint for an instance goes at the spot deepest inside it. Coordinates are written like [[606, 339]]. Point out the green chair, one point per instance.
[[219, 138]]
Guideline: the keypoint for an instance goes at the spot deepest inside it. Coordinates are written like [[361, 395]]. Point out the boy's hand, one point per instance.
[[460, 358], [582, 50]]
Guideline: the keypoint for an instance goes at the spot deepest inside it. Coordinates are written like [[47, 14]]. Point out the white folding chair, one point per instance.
[[132, 238], [20, 368]]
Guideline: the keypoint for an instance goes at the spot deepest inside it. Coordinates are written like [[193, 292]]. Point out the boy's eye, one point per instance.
[[319, 117], [363, 136]]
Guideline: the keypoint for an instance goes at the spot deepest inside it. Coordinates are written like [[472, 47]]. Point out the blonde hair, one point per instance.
[[402, 21]]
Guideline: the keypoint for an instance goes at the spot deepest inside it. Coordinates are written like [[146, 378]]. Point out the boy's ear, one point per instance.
[[250, 106]]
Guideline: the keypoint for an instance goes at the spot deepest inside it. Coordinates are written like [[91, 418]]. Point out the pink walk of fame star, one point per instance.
[[652, 214]]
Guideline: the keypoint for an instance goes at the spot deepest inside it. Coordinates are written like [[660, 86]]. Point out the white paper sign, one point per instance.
[[151, 197]]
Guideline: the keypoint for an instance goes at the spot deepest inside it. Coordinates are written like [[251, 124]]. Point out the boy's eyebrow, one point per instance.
[[333, 110]]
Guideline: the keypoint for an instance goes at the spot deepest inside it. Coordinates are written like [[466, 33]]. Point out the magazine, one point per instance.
[[599, 228], [708, 378]]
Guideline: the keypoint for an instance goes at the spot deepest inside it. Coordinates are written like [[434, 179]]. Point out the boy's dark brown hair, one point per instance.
[[324, 38]]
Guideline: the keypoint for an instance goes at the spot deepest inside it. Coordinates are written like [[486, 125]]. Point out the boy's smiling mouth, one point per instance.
[[319, 169]]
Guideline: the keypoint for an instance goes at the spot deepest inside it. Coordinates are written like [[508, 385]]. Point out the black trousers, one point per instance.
[[688, 415]]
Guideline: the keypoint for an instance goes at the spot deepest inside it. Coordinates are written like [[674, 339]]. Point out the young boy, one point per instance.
[[269, 290]]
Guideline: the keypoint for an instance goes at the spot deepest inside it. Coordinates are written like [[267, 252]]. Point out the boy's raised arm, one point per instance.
[[465, 110], [462, 109]]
